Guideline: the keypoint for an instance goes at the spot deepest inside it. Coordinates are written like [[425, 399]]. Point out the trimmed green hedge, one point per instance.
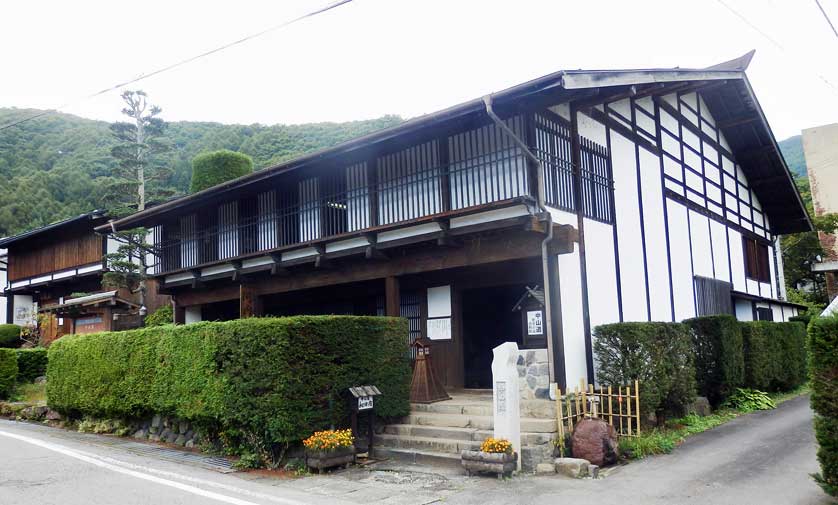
[[212, 168], [775, 355], [823, 348], [161, 316], [31, 363], [10, 335], [659, 355], [275, 379], [8, 371], [719, 356]]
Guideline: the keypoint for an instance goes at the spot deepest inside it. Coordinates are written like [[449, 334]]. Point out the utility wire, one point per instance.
[[826, 16], [180, 63], [774, 41]]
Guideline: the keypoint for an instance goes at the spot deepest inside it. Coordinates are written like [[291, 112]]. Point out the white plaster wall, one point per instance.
[[744, 310], [627, 207], [718, 236], [682, 278], [192, 314], [737, 260], [655, 232], [602, 273], [701, 249], [573, 329]]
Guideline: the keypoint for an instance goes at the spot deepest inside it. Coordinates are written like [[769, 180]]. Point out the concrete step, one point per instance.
[[454, 407], [527, 438], [429, 458], [427, 444], [528, 424], [418, 430]]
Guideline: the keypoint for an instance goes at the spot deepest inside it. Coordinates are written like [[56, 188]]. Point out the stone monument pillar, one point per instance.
[[505, 395]]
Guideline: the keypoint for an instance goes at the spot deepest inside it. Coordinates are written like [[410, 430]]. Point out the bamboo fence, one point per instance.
[[619, 405]]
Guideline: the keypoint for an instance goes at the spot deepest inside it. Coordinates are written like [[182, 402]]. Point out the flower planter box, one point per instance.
[[503, 464], [319, 460]]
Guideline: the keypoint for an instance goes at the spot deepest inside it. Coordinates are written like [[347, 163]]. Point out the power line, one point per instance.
[[180, 63], [826, 16], [774, 41]]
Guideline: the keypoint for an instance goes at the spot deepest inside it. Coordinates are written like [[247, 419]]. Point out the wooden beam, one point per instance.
[[605, 119], [392, 297], [249, 302], [737, 121]]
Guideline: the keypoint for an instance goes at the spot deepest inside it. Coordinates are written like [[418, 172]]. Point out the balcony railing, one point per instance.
[[475, 168]]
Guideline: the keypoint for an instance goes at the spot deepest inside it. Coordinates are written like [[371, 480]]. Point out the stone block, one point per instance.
[[572, 467], [545, 468], [52, 415], [542, 393], [165, 433], [700, 406], [156, 421], [189, 444], [172, 437], [180, 440], [141, 434], [183, 427], [593, 471]]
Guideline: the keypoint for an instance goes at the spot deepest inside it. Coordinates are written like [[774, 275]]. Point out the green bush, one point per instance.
[[275, 380], [775, 355], [823, 348], [31, 364], [10, 335], [213, 168], [659, 355], [8, 371], [719, 357], [748, 400], [161, 316]]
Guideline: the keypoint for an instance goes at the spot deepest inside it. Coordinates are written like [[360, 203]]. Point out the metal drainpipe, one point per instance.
[[548, 310]]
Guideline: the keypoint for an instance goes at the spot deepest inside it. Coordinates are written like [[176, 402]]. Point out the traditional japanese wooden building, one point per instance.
[[54, 279], [626, 195]]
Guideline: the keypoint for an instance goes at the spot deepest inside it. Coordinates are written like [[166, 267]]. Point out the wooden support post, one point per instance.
[[392, 297], [249, 302], [179, 312], [444, 173]]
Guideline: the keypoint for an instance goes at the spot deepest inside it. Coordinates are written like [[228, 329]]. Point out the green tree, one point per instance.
[[213, 168], [138, 144]]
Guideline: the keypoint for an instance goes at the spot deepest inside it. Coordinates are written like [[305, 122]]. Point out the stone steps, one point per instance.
[[460, 434], [528, 424], [529, 408], [419, 457]]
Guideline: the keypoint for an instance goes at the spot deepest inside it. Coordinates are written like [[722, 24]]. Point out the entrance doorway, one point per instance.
[[488, 321]]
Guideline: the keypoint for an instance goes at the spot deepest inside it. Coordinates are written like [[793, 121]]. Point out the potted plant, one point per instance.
[[495, 456], [330, 448]]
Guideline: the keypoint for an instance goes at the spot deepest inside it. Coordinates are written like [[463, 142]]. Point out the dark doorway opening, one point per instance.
[[488, 321], [220, 311]]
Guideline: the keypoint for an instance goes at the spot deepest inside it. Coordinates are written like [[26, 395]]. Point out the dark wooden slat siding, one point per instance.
[[54, 256], [712, 297]]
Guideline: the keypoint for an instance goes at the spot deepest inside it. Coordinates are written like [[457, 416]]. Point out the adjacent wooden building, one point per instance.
[[594, 196], [54, 279]]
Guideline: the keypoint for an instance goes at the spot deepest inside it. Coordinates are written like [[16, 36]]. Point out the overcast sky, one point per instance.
[[406, 57]]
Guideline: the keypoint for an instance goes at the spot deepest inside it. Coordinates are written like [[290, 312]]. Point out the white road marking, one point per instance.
[[141, 472]]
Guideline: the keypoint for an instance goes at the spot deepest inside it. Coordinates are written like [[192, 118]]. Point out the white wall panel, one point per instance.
[[701, 249], [655, 231], [718, 234], [744, 310], [682, 278], [627, 206], [737, 260], [778, 312], [602, 273]]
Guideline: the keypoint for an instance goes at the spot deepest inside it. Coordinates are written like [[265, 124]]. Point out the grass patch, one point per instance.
[[794, 393], [30, 393], [664, 440]]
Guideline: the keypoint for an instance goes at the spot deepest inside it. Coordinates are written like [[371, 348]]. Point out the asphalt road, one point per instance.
[[763, 458]]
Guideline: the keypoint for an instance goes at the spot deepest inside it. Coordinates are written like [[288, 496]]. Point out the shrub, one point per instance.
[[775, 355], [213, 168], [273, 380], [161, 316], [8, 371], [659, 355], [823, 346], [748, 400], [719, 357], [10, 335], [31, 363]]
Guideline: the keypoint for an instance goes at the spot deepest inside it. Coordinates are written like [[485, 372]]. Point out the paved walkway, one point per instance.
[[763, 458]]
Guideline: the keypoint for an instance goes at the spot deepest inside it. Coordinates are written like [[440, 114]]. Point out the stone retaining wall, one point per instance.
[[533, 374]]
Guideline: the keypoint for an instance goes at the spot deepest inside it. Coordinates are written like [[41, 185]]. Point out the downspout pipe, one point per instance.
[[545, 254]]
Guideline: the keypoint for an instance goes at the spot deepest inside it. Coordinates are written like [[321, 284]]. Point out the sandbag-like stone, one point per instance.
[[572, 467], [596, 441]]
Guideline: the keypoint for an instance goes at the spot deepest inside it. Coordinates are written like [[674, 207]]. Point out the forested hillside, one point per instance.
[[57, 166]]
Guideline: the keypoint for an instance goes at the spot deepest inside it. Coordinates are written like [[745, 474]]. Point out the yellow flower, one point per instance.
[[496, 445]]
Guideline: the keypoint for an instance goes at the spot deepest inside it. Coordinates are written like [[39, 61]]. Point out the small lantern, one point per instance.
[[425, 387]]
